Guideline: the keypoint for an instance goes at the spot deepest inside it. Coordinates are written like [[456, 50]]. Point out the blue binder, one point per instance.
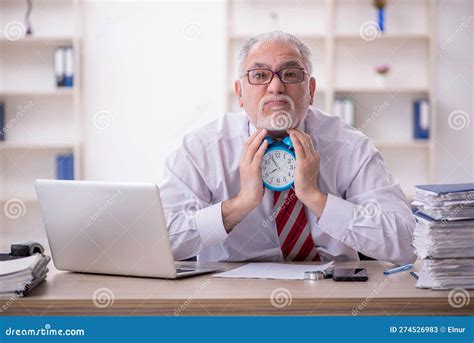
[[421, 119], [2, 121], [65, 167], [68, 67]]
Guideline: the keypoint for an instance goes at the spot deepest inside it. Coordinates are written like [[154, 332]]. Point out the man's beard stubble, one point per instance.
[[280, 119]]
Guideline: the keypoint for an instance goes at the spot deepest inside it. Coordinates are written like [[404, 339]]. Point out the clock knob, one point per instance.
[[288, 141], [269, 140]]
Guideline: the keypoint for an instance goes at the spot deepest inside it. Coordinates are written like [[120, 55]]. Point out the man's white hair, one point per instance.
[[275, 36]]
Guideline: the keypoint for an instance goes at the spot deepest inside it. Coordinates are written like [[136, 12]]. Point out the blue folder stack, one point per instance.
[[444, 235]]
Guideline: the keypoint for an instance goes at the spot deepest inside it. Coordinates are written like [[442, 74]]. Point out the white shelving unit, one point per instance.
[[343, 65], [44, 120]]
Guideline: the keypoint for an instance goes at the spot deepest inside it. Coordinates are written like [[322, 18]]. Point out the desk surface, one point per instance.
[[67, 293]]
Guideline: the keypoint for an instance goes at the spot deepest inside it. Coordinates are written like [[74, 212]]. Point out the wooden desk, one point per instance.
[[67, 293]]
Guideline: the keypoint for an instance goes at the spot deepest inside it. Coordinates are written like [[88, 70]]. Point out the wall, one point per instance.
[[454, 91], [153, 71]]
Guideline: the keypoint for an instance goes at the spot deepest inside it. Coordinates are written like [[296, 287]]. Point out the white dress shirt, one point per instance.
[[366, 210]]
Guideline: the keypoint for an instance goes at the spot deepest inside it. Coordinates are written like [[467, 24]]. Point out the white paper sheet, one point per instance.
[[278, 271], [26, 264]]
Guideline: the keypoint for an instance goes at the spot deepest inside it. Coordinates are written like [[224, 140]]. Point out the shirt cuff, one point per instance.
[[210, 226], [336, 217]]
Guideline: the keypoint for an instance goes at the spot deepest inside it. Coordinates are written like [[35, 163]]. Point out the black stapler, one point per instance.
[[22, 249]]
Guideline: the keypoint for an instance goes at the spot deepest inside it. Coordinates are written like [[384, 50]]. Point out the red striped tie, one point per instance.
[[293, 229]]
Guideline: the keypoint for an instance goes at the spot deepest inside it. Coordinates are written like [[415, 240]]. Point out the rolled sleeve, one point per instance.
[[210, 226], [336, 217]]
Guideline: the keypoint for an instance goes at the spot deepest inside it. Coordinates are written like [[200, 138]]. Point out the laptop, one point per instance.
[[109, 228]]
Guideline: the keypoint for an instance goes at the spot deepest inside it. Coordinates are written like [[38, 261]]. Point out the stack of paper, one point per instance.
[[444, 235], [20, 276], [445, 202]]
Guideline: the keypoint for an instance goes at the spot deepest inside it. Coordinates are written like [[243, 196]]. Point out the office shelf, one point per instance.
[[41, 120], [36, 93], [38, 40], [302, 36], [25, 198], [383, 36], [381, 89], [35, 146]]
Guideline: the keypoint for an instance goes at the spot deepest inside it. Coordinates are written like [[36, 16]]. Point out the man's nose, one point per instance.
[[276, 86]]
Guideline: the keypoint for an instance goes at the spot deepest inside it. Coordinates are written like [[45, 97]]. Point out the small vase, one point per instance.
[[381, 80]]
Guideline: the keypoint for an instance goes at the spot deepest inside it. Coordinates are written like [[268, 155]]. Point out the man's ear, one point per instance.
[[238, 92], [312, 89]]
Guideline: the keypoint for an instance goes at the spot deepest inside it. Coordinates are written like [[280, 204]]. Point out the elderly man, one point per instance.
[[343, 200]]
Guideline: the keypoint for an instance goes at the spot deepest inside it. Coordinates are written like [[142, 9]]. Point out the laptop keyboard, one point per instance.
[[183, 270]]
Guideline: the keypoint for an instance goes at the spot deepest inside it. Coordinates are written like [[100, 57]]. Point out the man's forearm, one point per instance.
[[233, 212], [316, 201]]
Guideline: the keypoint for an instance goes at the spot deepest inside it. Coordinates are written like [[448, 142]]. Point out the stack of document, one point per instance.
[[445, 202], [444, 235], [20, 276]]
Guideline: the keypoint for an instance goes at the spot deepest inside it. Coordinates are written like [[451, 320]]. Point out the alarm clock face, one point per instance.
[[278, 168]]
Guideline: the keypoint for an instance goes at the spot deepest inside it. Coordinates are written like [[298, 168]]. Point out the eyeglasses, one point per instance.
[[265, 76]]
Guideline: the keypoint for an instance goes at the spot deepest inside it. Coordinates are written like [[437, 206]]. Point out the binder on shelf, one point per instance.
[[64, 66], [344, 108], [65, 167], [69, 67], [59, 67], [2, 121], [421, 119], [349, 111]]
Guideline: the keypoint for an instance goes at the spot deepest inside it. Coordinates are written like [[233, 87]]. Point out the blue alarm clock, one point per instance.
[[278, 164]]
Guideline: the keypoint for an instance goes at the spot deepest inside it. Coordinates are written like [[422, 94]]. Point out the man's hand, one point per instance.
[[307, 172], [251, 186]]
